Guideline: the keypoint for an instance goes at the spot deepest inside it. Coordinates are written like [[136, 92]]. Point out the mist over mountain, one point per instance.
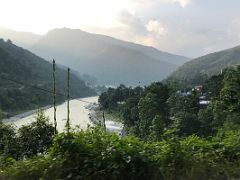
[[110, 60], [199, 69], [22, 39], [29, 70]]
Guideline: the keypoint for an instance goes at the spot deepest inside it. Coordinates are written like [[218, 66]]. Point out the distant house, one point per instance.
[[204, 100], [199, 88], [184, 93]]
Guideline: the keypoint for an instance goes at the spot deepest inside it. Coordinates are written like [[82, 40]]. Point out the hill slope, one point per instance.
[[112, 61], [23, 66], [200, 68]]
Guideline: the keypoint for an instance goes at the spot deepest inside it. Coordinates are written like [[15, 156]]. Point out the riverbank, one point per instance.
[[23, 115], [112, 122], [82, 114], [79, 115]]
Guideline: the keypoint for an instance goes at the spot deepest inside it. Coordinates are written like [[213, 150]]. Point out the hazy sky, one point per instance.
[[187, 27]]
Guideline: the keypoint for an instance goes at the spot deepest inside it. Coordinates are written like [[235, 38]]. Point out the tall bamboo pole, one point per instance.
[[68, 99], [54, 96]]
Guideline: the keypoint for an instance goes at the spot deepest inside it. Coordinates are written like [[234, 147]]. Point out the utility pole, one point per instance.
[[68, 99], [54, 96]]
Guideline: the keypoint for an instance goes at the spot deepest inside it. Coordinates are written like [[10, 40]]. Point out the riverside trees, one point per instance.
[[160, 107]]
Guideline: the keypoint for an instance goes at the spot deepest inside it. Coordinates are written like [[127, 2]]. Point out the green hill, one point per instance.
[[199, 69], [23, 66]]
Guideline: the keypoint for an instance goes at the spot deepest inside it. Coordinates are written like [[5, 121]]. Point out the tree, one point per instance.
[[206, 119], [8, 141], [153, 103], [187, 123], [227, 108], [36, 137], [157, 127], [130, 112], [214, 85]]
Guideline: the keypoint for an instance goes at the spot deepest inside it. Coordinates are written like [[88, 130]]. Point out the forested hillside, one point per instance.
[[148, 112], [27, 70], [200, 69]]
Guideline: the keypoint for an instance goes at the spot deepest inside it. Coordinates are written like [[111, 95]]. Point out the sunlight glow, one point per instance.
[[39, 16]]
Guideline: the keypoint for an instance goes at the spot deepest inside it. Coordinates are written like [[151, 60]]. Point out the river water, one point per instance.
[[80, 111]]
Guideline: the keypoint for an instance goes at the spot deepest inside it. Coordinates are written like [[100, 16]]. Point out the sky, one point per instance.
[[187, 27]]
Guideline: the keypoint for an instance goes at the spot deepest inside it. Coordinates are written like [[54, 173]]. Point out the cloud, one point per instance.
[[183, 3], [132, 22], [156, 27]]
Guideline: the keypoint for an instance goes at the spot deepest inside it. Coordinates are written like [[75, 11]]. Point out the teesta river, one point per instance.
[[81, 116]]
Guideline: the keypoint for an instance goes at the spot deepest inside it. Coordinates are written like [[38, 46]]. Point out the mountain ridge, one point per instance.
[[207, 65], [81, 50], [84, 51]]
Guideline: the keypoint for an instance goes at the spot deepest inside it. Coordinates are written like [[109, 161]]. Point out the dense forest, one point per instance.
[[151, 111], [171, 133], [23, 75]]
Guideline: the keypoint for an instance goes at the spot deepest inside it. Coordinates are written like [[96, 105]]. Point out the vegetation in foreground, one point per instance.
[[170, 136], [96, 154]]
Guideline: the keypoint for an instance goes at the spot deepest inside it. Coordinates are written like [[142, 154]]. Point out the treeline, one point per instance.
[[150, 111], [26, 142]]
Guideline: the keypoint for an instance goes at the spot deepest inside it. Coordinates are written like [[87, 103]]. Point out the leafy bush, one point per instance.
[[95, 154], [37, 137]]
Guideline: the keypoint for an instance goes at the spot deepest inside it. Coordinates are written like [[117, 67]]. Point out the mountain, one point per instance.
[[110, 60], [22, 39], [201, 68], [20, 70]]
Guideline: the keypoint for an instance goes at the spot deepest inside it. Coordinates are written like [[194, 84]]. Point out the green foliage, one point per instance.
[[37, 137], [153, 105], [227, 108], [29, 141], [8, 141], [95, 154], [214, 85], [157, 127], [130, 111], [187, 123], [110, 99], [206, 118]]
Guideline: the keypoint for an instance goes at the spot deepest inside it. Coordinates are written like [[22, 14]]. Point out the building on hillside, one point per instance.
[[199, 88]]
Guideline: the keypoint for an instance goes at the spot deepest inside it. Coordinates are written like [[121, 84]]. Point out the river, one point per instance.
[[80, 112]]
